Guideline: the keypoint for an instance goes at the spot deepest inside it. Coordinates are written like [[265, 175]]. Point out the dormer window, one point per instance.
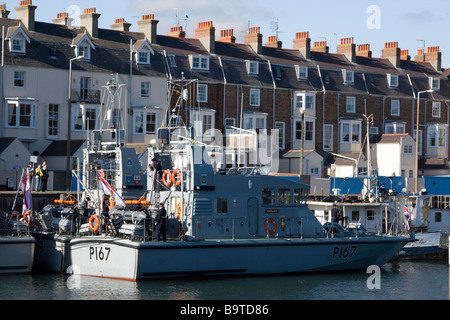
[[302, 72], [435, 83], [17, 39], [349, 76], [392, 80], [83, 46], [143, 51], [200, 63], [252, 67]]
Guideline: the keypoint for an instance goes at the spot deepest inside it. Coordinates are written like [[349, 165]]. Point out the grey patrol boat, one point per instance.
[[244, 222]]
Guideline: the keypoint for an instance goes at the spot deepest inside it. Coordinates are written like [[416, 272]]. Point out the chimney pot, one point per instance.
[[273, 42], [3, 12], [347, 48], [227, 36], [302, 43], [120, 25], [320, 46], [392, 52], [63, 19], [363, 50], [434, 57], [177, 32]]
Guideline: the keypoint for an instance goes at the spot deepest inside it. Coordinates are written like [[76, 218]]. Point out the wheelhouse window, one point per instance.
[[268, 196], [284, 196]]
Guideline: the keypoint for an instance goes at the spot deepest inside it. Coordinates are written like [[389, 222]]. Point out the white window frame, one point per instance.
[[407, 149], [143, 56], [18, 114], [281, 127], [145, 89], [395, 107], [354, 130], [420, 141], [252, 67], [200, 118], [140, 119], [349, 76], [202, 93], [436, 109], [439, 133], [19, 76], [392, 80], [172, 61], [253, 122], [255, 97], [18, 45], [435, 83], [328, 137], [302, 72], [373, 130], [230, 122], [53, 120], [394, 128], [350, 104], [84, 109], [200, 62], [305, 100], [309, 123]]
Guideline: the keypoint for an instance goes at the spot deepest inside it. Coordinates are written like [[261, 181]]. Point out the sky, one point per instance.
[[414, 24]]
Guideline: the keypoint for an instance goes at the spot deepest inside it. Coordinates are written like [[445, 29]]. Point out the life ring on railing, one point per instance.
[[176, 173], [170, 180], [27, 218], [274, 226], [97, 223]]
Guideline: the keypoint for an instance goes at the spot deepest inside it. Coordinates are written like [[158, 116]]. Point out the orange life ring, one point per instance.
[[266, 226], [97, 221], [176, 173], [169, 181], [27, 218]]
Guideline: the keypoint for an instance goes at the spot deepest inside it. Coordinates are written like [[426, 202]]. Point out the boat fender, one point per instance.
[[97, 223], [176, 177], [27, 218], [274, 228], [168, 174]]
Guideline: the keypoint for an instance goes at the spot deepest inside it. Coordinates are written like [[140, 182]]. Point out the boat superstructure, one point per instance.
[[239, 222]]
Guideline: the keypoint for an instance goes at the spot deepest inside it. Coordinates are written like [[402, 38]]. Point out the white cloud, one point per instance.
[[231, 14]]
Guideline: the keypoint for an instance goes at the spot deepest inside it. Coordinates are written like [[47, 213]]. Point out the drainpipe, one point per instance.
[[273, 94], [324, 91]]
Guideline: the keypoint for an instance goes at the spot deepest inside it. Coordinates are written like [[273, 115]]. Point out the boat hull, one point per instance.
[[428, 246], [127, 260], [16, 254], [52, 253]]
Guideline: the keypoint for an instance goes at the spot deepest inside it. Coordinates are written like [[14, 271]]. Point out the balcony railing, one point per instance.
[[86, 95]]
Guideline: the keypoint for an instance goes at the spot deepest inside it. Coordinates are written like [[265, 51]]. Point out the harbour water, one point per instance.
[[399, 280]]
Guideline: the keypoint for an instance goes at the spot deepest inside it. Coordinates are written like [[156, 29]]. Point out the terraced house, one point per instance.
[[323, 103]]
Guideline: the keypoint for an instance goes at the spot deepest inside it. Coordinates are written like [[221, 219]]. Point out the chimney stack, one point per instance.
[[420, 56], [121, 25], [254, 39], [89, 20], [363, 50], [148, 26], [404, 55], [273, 42], [302, 43], [205, 32], [227, 36], [320, 46], [25, 13], [347, 48], [392, 52], [3, 12], [177, 32], [63, 19], [434, 57]]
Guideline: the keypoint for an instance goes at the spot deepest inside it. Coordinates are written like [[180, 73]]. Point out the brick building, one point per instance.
[[254, 85]]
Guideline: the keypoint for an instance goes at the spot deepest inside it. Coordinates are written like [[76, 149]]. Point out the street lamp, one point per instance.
[[416, 175], [69, 120]]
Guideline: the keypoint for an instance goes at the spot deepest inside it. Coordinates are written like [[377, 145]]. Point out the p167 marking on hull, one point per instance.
[[344, 252], [99, 253]]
